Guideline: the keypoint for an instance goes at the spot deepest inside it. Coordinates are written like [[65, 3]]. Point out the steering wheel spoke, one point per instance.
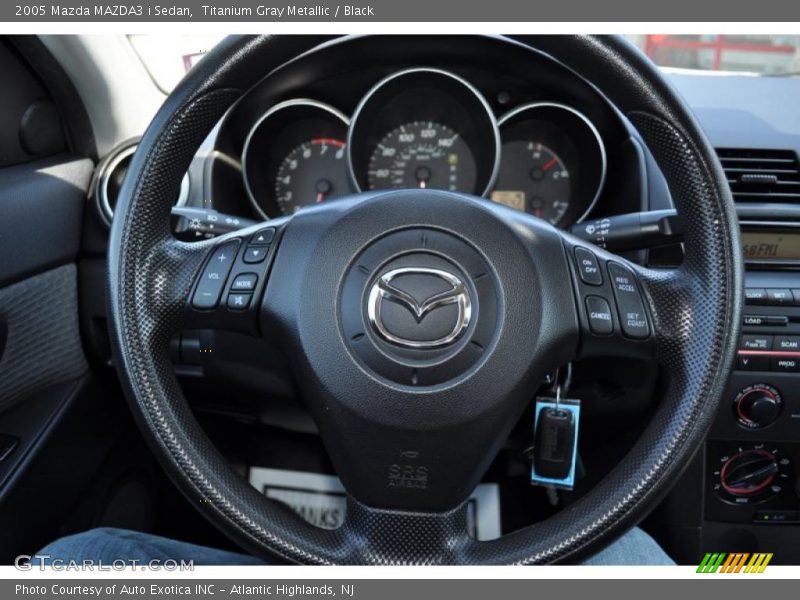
[[615, 313], [220, 283]]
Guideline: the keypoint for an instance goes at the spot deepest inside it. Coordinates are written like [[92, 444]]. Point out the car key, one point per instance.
[[553, 444], [555, 441]]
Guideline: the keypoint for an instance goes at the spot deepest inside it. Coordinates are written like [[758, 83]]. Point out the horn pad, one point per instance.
[[419, 307]]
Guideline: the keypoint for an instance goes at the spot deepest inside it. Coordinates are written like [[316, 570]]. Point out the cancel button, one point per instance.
[[599, 313]]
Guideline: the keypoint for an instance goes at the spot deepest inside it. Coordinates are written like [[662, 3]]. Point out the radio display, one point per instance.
[[771, 245]]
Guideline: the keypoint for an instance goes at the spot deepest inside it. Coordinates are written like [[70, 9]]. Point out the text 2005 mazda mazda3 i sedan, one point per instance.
[[396, 300]]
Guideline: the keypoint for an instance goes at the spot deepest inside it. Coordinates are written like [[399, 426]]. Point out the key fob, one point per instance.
[[554, 443]]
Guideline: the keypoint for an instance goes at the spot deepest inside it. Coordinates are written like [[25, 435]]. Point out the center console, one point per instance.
[[752, 458]]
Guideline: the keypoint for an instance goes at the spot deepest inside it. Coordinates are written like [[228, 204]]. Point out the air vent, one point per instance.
[[762, 175], [111, 173]]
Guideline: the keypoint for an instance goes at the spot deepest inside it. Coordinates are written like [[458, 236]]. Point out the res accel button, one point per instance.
[[212, 280], [599, 313], [632, 315], [588, 267]]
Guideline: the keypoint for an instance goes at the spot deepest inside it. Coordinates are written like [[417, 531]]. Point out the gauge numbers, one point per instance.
[[311, 173], [424, 155]]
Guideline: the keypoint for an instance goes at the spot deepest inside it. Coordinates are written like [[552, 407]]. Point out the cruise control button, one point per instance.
[[632, 315], [756, 342], [246, 282], [748, 362], [588, 267], [755, 296], [239, 301], [786, 343], [263, 236], [779, 296], [255, 254], [599, 312], [212, 280]]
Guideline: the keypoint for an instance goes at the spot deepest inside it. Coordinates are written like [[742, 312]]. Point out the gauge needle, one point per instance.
[[549, 164], [320, 197]]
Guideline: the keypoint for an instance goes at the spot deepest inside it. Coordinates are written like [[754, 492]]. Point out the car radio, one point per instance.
[[753, 453]]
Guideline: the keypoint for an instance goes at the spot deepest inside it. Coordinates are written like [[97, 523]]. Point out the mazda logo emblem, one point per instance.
[[383, 290]]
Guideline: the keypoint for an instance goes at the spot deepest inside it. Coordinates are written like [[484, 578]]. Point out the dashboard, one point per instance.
[[537, 139], [425, 128]]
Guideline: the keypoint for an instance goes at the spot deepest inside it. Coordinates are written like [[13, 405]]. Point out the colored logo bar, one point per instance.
[[734, 562]]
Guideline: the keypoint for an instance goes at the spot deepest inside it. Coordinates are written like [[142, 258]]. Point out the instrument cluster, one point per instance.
[[426, 128]]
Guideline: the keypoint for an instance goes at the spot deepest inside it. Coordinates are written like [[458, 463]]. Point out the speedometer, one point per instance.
[[423, 128], [422, 155]]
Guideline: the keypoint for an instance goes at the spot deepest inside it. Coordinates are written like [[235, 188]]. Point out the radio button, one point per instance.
[[756, 342], [749, 362], [777, 320], [786, 344], [780, 296], [756, 296], [786, 364], [755, 320]]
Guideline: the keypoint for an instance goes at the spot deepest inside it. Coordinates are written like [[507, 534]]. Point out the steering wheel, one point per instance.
[[419, 323]]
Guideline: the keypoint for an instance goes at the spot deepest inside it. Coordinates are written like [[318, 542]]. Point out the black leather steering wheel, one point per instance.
[[412, 428]]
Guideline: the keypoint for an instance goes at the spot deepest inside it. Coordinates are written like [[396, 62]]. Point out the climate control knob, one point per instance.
[[757, 406]]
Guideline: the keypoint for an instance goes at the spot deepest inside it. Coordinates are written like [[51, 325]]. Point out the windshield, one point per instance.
[[168, 57], [751, 54]]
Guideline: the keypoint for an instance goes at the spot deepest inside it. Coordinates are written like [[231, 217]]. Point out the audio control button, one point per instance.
[[779, 296], [786, 343], [757, 406], [750, 362], [756, 342], [786, 364], [755, 320], [755, 296]]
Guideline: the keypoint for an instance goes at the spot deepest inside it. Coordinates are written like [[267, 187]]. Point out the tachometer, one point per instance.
[[311, 173], [422, 155], [295, 155]]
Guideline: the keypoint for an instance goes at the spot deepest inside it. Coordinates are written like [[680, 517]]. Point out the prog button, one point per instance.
[[632, 315]]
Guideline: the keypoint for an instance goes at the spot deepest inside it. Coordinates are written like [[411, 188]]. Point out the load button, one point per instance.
[[632, 315]]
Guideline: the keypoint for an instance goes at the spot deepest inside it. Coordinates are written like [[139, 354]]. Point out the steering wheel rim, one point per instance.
[[695, 314]]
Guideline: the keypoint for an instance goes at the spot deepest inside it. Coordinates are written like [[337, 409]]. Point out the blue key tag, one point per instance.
[[555, 442]]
